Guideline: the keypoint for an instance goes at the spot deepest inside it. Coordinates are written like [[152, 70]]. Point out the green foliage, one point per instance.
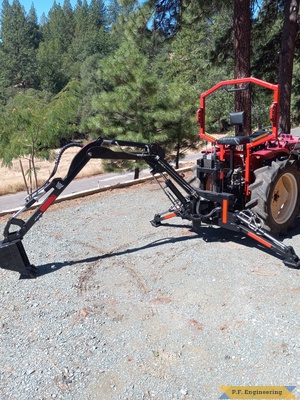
[[130, 91], [188, 64], [69, 38], [53, 76], [176, 119], [30, 126], [187, 54], [90, 36], [295, 101], [53, 63], [221, 36], [130, 94], [25, 131], [59, 25], [19, 41], [266, 39], [91, 84], [218, 107], [62, 111], [126, 69]]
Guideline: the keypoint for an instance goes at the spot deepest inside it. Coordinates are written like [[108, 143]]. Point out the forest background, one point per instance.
[[126, 69]]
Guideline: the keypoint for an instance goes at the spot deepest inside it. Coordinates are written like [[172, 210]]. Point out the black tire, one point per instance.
[[275, 195]]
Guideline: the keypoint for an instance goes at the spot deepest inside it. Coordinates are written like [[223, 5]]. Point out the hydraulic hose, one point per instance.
[[56, 164]]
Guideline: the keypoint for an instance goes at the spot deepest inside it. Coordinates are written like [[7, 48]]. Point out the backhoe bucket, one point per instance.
[[14, 258]]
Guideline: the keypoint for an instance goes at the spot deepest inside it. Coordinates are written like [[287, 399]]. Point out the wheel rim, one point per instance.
[[284, 198]]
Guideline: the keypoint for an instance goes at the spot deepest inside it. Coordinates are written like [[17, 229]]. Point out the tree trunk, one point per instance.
[[286, 58], [242, 51], [24, 178], [177, 156]]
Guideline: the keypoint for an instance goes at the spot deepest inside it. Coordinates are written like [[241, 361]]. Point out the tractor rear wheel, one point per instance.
[[275, 195]]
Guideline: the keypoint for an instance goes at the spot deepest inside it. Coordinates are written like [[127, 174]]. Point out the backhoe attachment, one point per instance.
[[187, 202]]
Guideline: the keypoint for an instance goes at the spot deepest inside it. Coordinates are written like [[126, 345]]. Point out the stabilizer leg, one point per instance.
[[158, 218], [247, 226]]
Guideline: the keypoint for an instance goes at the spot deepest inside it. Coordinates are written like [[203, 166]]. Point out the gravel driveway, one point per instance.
[[122, 310]]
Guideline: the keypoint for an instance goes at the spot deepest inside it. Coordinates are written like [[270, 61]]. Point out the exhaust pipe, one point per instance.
[[14, 258]]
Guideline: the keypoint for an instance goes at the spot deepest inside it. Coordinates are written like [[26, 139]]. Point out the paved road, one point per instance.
[[296, 131], [13, 201]]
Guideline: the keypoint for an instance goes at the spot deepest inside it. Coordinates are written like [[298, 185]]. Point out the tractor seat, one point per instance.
[[236, 118], [234, 140]]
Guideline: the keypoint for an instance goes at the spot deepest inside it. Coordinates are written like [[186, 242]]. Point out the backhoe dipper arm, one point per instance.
[[12, 253]]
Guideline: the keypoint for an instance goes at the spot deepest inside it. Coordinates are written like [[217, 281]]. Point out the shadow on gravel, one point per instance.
[[52, 267], [206, 233], [223, 235]]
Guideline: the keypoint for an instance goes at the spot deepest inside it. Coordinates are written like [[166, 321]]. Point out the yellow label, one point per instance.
[[257, 392]]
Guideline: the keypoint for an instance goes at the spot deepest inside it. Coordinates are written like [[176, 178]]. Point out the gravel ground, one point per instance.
[[122, 310]]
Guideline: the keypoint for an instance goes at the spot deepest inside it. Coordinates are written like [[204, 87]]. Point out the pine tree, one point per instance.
[[286, 59], [52, 75], [175, 118], [242, 59], [59, 25], [83, 42], [266, 38], [90, 33], [53, 60], [19, 41], [97, 14], [128, 98], [34, 30], [91, 84], [274, 40]]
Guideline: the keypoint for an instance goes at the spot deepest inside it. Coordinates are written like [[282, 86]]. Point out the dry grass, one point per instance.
[[11, 179]]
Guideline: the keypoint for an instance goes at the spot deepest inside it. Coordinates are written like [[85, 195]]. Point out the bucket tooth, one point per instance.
[[14, 258]]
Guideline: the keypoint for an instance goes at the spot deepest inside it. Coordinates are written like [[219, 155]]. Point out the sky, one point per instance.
[[42, 6]]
